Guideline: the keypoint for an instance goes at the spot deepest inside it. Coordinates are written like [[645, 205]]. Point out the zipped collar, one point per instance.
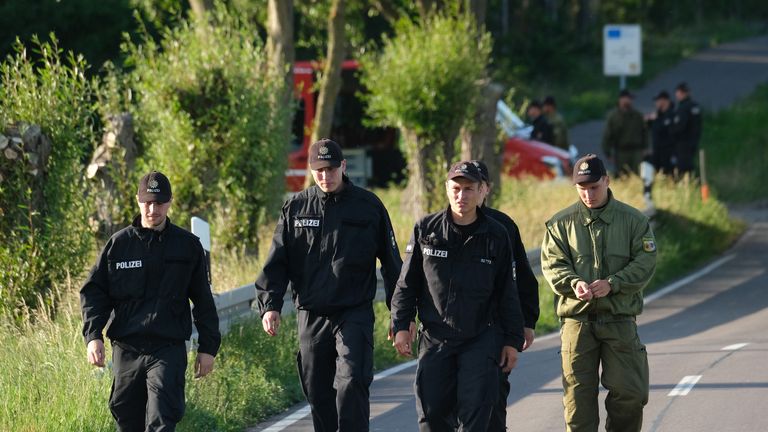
[[452, 233], [606, 215], [334, 196], [148, 234]]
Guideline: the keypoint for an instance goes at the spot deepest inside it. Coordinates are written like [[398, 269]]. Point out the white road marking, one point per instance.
[[734, 347], [393, 370], [685, 385], [688, 279], [291, 419], [304, 411]]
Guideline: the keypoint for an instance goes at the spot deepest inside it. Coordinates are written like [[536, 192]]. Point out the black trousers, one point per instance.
[[148, 387], [335, 363], [457, 379]]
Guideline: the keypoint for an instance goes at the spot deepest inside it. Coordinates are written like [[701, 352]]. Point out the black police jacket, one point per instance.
[[144, 280], [527, 284], [458, 288], [661, 130], [542, 130], [686, 126], [325, 248]]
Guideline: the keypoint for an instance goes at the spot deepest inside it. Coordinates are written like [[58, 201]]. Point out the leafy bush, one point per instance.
[[43, 214], [209, 116], [425, 81]]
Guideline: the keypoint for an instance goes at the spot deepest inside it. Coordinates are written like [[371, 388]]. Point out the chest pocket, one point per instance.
[[357, 242], [176, 276], [127, 279], [483, 268]]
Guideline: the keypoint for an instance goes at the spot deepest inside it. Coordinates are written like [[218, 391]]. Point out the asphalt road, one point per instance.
[[718, 77], [711, 329]]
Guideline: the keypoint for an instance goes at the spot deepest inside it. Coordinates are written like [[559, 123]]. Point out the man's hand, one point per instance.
[[203, 364], [403, 343], [529, 334], [508, 358], [600, 288], [95, 352], [582, 291], [271, 322], [411, 330]]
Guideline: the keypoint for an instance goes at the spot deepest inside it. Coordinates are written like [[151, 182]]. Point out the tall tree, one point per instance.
[[280, 51], [200, 7], [330, 83]]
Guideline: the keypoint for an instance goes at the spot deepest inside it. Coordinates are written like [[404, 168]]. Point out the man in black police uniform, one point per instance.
[[663, 144], [686, 129], [527, 290], [325, 247], [143, 280], [542, 130], [458, 275]]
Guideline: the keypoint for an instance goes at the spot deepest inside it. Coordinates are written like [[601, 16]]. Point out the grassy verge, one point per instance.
[[735, 142]]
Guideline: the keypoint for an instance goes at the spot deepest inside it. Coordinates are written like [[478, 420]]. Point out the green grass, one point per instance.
[[735, 141]]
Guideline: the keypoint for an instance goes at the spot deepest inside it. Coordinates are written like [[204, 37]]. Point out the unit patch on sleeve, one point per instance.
[[649, 244]]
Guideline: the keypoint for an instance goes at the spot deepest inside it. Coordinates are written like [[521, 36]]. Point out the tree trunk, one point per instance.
[[280, 51], [479, 142], [416, 200], [200, 7], [331, 80], [479, 9]]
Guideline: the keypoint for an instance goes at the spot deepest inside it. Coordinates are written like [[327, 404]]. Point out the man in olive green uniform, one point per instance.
[[558, 123], [625, 138], [597, 255]]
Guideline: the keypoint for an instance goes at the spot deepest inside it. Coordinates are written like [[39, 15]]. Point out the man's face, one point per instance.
[[153, 213], [534, 112], [680, 95], [662, 104], [625, 102], [594, 195], [548, 109], [329, 179], [464, 195]]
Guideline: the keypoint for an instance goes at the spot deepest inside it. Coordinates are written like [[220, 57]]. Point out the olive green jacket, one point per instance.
[[624, 130], [618, 246]]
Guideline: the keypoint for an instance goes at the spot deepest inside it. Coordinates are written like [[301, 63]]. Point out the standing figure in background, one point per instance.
[[625, 138], [663, 155], [686, 129], [559, 128], [542, 130]]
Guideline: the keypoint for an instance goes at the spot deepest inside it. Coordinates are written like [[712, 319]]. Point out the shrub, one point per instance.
[[43, 213], [425, 82], [209, 116]]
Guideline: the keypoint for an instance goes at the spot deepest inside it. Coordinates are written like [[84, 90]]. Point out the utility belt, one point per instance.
[[596, 317]]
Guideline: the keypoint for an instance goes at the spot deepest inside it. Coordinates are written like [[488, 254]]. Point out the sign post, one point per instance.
[[202, 230], [622, 51]]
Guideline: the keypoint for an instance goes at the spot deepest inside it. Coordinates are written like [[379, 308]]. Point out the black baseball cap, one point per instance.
[[482, 168], [325, 153], [662, 95], [626, 93], [588, 169], [550, 100], [534, 104], [154, 187], [465, 169], [683, 87]]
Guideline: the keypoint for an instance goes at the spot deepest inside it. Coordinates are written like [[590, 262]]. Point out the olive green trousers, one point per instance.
[[614, 345]]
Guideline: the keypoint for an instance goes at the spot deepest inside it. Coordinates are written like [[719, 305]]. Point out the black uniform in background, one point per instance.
[[686, 129], [528, 293], [325, 248], [144, 280], [663, 156], [542, 130], [460, 279]]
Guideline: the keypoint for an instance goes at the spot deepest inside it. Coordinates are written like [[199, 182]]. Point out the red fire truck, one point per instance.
[[373, 154]]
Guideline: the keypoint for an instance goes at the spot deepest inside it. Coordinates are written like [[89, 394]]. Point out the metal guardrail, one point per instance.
[[241, 302]]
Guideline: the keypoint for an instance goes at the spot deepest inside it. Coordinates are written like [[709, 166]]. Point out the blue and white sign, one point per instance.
[[622, 50]]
